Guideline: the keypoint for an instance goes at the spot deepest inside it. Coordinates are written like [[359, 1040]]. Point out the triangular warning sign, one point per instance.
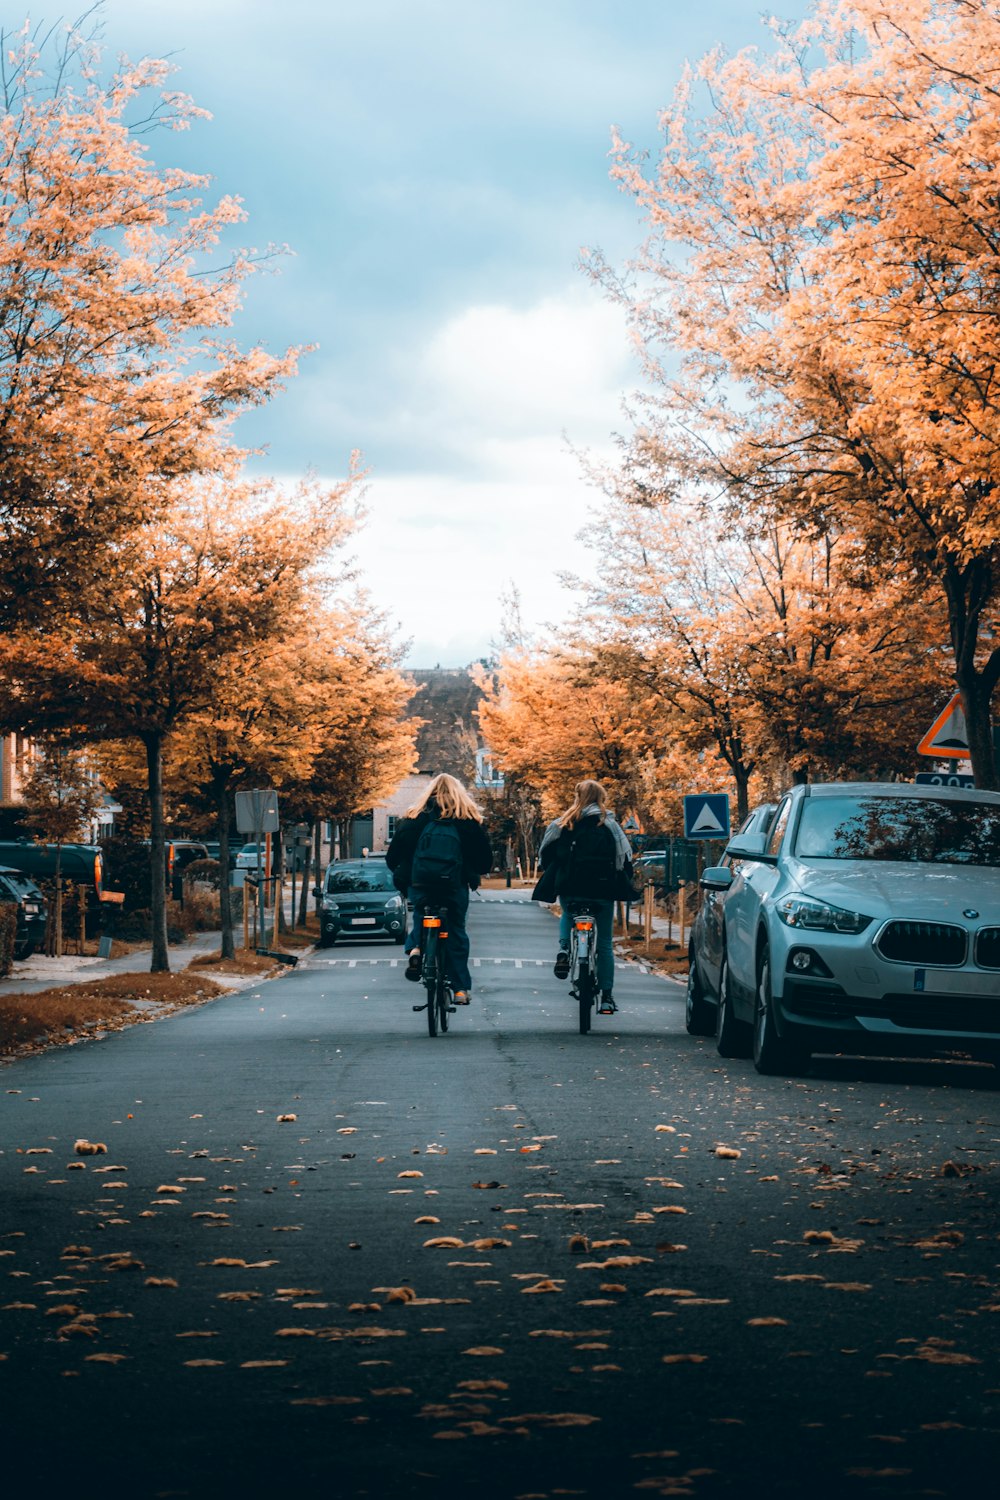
[[706, 821], [947, 738]]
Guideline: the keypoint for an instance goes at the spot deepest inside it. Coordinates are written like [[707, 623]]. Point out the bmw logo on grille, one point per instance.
[[970, 913]]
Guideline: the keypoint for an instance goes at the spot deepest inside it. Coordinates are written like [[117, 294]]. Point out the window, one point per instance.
[[391, 826], [780, 825]]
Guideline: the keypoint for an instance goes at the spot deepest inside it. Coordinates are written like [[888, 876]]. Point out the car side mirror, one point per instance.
[[747, 846], [716, 878], [317, 892]]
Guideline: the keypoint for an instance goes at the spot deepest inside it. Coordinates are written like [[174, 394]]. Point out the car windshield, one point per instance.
[[360, 877], [18, 884], [903, 830]]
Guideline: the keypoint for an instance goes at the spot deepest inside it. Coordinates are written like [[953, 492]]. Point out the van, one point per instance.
[[83, 864]]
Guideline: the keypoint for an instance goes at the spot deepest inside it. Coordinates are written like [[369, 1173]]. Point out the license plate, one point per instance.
[[362, 921]]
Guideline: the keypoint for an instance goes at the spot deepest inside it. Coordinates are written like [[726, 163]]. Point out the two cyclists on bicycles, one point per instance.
[[586, 860], [439, 852]]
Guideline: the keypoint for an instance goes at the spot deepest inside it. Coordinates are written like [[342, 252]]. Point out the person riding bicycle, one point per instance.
[[437, 855], [586, 858]]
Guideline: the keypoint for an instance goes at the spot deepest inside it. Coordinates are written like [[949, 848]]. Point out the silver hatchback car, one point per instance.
[[866, 920]]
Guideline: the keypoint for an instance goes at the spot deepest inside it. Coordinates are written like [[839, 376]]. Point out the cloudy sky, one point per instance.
[[436, 166]]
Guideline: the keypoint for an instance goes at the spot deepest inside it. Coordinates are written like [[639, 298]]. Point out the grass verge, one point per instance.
[[67, 1013]]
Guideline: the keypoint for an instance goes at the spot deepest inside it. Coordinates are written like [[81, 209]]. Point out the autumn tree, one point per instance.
[[117, 375], [554, 717], [61, 793], [214, 579], [778, 652], [824, 260], [366, 737]]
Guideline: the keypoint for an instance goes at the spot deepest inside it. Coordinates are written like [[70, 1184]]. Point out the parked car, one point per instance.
[[651, 864], [705, 941], [246, 858], [358, 898], [32, 910], [867, 919]]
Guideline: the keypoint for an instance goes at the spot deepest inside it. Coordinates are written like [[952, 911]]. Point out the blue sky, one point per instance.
[[436, 167]]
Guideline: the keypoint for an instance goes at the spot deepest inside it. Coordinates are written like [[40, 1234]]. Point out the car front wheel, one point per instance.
[[732, 1037], [771, 1053], [699, 1015]]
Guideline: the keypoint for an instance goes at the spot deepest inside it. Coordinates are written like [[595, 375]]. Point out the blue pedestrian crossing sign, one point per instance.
[[706, 816]]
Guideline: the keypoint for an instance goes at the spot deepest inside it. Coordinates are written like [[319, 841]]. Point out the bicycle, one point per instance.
[[434, 971], [583, 961]]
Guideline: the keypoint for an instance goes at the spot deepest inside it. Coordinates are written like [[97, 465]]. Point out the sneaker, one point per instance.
[[561, 967], [461, 997], [607, 1006], [414, 965]]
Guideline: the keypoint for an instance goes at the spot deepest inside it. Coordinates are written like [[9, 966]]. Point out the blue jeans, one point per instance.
[[455, 905], [604, 915]]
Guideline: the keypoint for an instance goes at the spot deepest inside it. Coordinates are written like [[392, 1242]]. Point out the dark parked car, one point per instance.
[[32, 910], [359, 899]]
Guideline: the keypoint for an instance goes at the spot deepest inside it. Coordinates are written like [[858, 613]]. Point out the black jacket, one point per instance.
[[477, 855]]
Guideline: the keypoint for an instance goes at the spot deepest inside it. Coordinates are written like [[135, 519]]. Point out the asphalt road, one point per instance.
[[232, 1303]]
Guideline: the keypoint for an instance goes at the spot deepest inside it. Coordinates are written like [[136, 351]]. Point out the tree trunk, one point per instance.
[[278, 887], [741, 776], [228, 944], [318, 857], [969, 591], [59, 903], [157, 854], [307, 862], [976, 698]]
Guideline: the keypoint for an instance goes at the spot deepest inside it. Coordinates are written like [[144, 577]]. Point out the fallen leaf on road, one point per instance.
[[90, 1148], [728, 1153], [483, 1350], [767, 1323], [684, 1359]]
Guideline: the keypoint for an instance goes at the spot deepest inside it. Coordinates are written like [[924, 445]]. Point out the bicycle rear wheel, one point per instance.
[[586, 988], [443, 1001], [431, 967]]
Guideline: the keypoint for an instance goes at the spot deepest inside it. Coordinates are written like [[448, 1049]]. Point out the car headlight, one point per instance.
[[394, 903], [328, 904], [807, 911]]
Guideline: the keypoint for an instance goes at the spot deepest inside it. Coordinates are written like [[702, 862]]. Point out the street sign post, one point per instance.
[[257, 813], [706, 815], [944, 778]]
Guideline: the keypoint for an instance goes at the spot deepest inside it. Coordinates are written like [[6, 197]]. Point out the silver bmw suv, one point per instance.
[[866, 919]]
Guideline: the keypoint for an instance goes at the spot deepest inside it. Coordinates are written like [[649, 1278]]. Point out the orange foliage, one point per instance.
[[116, 374], [838, 307]]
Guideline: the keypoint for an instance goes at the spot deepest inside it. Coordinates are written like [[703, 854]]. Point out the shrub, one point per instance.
[[8, 929], [204, 872]]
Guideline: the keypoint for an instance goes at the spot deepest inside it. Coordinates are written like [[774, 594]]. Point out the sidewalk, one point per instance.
[[40, 972]]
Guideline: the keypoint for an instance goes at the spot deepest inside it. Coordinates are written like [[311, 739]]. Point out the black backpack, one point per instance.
[[437, 859], [587, 861]]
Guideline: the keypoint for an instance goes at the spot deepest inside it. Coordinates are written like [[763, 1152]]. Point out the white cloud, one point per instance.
[[501, 372], [501, 389]]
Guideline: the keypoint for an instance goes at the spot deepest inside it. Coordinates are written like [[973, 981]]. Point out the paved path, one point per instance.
[[327, 1255]]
